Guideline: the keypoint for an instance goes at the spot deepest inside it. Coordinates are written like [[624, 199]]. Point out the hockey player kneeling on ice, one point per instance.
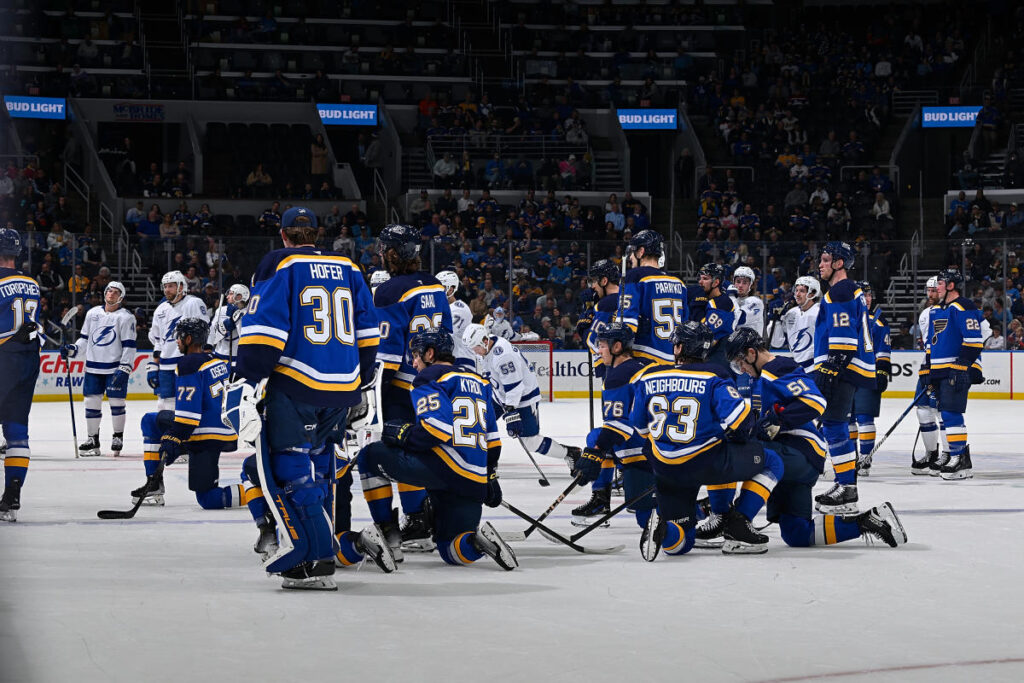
[[615, 441], [194, 426], [790, 403], [698, 428], [515, 388], [107, 339], [451, 449]]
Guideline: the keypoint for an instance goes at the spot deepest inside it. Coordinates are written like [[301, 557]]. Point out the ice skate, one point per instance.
[[837, 500], [393, 535], [958, 467], [881, 522], [599, 504], [617, 490], [488, 541], [91, 447], [370, 542], [266, 545], [117, 443], [416, 532], [152, 492], [935, 466], [10, 503], [923, 467], [310, 576], [709, 531], [864, 465], [740, 537], [652, 536]]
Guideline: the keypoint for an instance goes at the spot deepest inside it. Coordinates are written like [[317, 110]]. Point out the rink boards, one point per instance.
[[1004, 375]]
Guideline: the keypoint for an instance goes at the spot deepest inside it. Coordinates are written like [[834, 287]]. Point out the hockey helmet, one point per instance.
[[115, 285], [650, 240], [616, 331], [713, 270], [10, 243], [174, 277], [812, 285], [379, 277], [839, 250], [240, 291], [474, 335], [499, 312], [404, 239], [433, 338], [744, 271], [197, 328], [695, 338], [950, 275], [603, 268], [737, 344], [449, 279]]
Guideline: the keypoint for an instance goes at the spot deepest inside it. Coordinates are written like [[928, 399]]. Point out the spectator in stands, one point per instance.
[[838, 218], [990, 120], [979, 221], [561, 274], [1014, 220], [567, 171], [615, 217], [169, 229], [344, 243], [50, 281], [959, 202], [967, 175], [258, 181], [795, 197], [318, 159], [78, 283], [881, 213], [444, 171], [853, 149], [270, 219], [495, 171]]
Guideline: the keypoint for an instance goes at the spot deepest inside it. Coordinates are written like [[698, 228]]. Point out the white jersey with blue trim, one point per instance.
[[108, 339], [462, 317], [165, 322], [797, 326], [499, 328], [514, 383], [224, 341], [923, 321], [750, 313]]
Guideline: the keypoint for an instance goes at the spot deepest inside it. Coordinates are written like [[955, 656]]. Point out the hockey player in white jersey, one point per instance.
[[498, 325], [177, 304], [107, 340], [933, 431], [377, 278], [749, 307], [226, 321], [515, 388], [462, 317], [795, 327]]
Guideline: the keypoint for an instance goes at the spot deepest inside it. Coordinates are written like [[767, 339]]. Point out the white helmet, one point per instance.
[[450, 279], [811, 283], [744, 271], [378, 277], [175, 277], [933, 282], [114, 284], [474, 335], [240, 291]]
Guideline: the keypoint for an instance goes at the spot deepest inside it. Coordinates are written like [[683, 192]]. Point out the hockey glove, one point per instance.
[[768, 426], [827, 374], [170, 448], [588, 466], [881, 380], [119, 380], [395, 432], [959, 377], [153, 375], [68, 351], [241, 408], [493, 498], [513, 423]]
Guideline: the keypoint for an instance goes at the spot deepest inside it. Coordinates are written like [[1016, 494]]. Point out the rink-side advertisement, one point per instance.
[[1004, 375]]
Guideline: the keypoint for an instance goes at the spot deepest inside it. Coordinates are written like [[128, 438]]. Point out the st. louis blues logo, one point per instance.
[[940, 326], [105, 337]]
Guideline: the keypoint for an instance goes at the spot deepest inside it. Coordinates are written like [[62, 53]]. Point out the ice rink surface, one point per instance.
[[177, 594]]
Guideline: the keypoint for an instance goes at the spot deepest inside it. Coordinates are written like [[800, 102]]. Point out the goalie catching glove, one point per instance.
[[242, 408]]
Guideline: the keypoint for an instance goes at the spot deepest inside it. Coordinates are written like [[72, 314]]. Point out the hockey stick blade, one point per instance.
[[69, 316], [558, 538], [608, 515], [543, 481], [121, 514], [520, 536]]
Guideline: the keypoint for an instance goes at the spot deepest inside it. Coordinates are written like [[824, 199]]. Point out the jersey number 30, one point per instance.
[[332, 315]]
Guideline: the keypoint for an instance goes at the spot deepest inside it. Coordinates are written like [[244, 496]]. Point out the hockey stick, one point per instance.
[[128, 514], [878, 444], [608, 515], [516, 536], [64, 322], [543, 481], [917, 436], [558, 538]]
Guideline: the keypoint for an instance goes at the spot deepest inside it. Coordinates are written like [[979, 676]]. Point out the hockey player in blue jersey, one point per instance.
[[719, 312], [697, 302], [790, 403], [867, 401], [653, 302], [616, 442], [311, 333], [409, 302], [194, 426], [107, 340], [953, 366], [451, 448], [177, 304], [844, 360], [698, 427], [19, 367]]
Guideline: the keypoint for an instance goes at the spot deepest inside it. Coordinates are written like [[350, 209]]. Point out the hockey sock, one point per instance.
[[929, 428], [720, 497], [865, 434], [841, 452], [150, 443], [460, 550], [18, 455], [93, 413], [642, 516], [755, 492], [542, 445], [253, 498], [853, 430], [347, 554], [677, 541], [604, 479], [800, 532], [412, 498], [117, 414], [220, 497], [956, 432]]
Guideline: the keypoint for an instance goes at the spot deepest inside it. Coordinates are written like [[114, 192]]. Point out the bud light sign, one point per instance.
[[949, 117], [648, 119], [34, 107], [348, 114]]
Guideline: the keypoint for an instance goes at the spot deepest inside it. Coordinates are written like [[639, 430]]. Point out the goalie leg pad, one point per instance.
[[253, 496]]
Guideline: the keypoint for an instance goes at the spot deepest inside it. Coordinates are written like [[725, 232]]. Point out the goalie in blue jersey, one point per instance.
[[450, 448]]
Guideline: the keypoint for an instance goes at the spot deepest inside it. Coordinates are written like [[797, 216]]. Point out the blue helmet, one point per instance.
[[604, 268], [404, 239], [616, 331], [695, 338], [951, 275], [865, 287], [650, 240], [738, 342], [197, 328], [298, 214], [840, 250], [714, 270], [10, 243], [433, 338]]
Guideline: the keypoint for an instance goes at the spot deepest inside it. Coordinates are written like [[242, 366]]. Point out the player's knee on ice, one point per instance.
[[797, 532]]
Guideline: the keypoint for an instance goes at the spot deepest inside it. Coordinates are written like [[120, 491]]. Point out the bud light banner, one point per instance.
[[949, 117], [648, 119], [348, 114], [19, 107]]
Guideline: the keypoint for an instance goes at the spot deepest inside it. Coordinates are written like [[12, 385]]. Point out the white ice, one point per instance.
[[177, 594]]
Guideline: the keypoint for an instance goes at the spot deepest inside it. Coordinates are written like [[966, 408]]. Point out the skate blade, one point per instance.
[[424, 545], [156, 501], [956, 476], [312, 583], [716, 542], [587, 521], [90, 453], [738, 548], [9, 516], [918, 471], [847, 509]]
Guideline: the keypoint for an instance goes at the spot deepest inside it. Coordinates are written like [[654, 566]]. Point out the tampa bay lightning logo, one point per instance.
[[803, 341], [170, 330], [105, 337]]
